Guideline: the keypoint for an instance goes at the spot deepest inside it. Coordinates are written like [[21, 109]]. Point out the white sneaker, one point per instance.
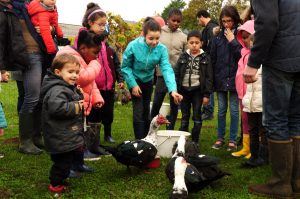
[[89, 156]]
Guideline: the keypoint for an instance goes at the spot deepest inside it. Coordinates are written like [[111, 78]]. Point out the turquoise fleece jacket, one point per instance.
[[139, 62]]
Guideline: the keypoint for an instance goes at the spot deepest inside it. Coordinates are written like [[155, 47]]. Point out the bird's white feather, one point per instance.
[[152, 134], [179, 172], [180, 146]]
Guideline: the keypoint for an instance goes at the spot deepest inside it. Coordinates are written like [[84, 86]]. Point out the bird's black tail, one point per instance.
[[110, 149]]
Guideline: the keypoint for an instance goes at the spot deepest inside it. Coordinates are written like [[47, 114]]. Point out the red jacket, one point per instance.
[[44, 19]]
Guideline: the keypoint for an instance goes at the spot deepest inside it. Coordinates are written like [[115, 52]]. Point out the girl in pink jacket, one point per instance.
[[244, 35], [86, 52]]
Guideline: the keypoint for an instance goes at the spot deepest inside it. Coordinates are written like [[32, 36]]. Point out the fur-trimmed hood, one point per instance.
[[36, 7]]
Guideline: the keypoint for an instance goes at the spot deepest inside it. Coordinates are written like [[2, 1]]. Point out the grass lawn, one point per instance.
[[26, 176]]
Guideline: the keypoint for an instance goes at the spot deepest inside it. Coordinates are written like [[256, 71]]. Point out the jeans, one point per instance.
[[223, 97], [32, 79], [211, 105], [141, 110], [281, 103], [21, 93]]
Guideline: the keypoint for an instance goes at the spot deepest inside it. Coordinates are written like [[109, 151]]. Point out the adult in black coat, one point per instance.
[[13, 49], [205, 21], [277, 48]]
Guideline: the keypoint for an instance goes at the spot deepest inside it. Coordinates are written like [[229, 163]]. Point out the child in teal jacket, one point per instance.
[[140, 58]]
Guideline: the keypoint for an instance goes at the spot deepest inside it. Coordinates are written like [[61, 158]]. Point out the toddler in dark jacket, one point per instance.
[[62, 118], [193, 73]]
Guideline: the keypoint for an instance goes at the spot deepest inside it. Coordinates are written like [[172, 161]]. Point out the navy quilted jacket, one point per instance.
[[224, 57]]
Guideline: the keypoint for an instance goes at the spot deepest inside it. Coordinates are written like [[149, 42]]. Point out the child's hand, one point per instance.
[[81, 104], [4, 76], [177, 97], [136, 91], [80, 89], [99, 105], [205, 101]]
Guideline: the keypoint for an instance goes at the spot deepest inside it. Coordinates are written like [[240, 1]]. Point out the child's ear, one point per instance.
[[201, 42], [57, 72], [90, 23], [82, 48]]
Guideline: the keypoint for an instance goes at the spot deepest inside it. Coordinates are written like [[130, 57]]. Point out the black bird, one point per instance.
[[139, 153]]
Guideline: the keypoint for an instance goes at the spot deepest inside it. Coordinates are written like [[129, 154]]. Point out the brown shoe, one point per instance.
[[267, 190], [296, 195], [296, 167]]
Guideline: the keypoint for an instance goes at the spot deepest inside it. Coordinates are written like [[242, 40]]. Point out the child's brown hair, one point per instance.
[[194, 33], [61, 60], [150, 25], [92, 13]]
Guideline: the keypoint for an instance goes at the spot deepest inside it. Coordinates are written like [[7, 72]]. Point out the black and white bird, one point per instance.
[[139, 153], [192, 176], [201, 169], [179, 188]]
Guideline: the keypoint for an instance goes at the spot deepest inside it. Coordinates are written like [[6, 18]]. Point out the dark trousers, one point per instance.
[[159, 95], [78, 159], [281, 103], [105, 114], [192, 98], [141, 110], [62, 163], [256, 130]]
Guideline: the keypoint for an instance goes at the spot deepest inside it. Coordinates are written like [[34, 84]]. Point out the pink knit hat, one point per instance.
[[159, 20]]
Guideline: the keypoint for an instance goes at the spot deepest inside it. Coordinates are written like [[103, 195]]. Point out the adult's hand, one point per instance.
[[249, 74], [205, 101], [136, 91], [177, 97], [4, 76]]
